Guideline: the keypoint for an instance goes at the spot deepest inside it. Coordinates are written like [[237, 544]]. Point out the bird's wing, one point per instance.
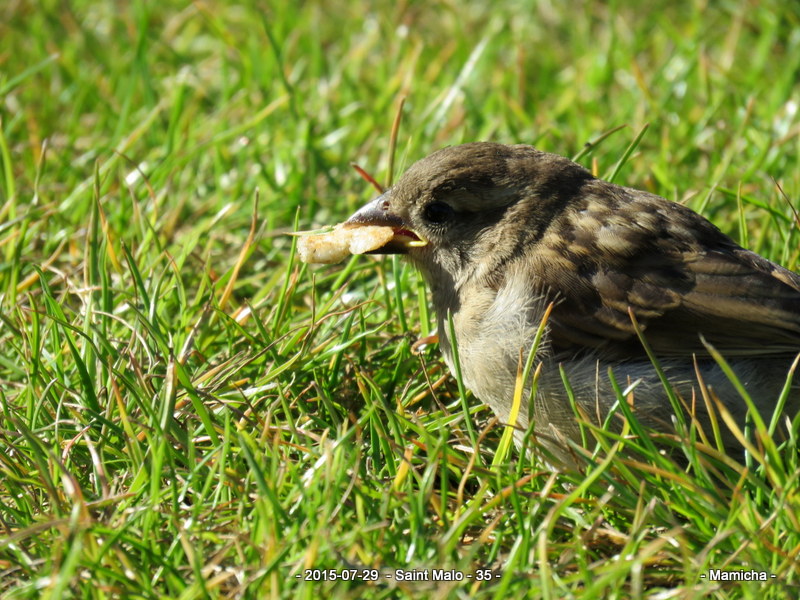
[[682, 278]]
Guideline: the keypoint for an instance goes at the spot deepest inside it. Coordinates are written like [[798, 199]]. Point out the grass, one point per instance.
[[188, 412]]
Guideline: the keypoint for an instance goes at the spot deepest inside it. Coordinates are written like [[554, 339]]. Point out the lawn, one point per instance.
[[187, 411]]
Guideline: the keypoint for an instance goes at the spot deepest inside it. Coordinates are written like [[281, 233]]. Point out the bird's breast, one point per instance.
[[494, 332]]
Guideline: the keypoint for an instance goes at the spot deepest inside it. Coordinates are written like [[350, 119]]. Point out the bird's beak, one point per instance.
[[378, 213]]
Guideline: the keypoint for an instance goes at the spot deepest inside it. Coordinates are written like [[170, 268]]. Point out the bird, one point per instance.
[[510, 239]]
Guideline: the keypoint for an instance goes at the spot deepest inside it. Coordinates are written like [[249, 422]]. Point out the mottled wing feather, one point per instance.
[[743, 304], [679, 274]]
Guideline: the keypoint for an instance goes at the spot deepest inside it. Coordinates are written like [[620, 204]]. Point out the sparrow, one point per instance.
[[502, 234]]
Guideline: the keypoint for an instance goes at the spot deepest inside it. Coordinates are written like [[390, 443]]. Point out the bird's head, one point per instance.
[[464, 210]]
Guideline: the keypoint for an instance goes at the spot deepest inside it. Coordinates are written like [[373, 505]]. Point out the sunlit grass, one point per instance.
[[187, 411]]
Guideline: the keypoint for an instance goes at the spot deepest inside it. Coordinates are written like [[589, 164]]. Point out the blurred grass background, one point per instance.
[[187, 412]]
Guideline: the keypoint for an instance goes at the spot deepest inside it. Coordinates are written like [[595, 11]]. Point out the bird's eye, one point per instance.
[[437, 213]]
